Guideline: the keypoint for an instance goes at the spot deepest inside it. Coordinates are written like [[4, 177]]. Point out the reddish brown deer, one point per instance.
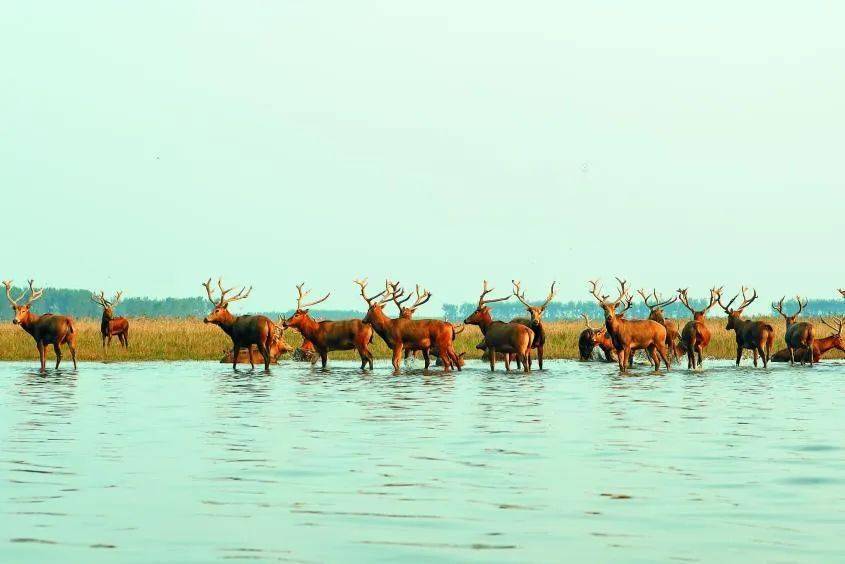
[[415, 334], [244, 330], [47, 329], [109, 324], [592, 337], [695, 335], [534, 321], [757, 336], [820, 346], [798, 335], [629, 335], [326, 336], [657, 313], [408, 312], [500, 337], [277, 348]]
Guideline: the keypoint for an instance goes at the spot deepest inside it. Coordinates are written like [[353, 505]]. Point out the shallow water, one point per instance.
[[190, 462]]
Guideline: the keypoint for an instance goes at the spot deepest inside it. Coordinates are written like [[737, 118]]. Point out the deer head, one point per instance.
[[301, 313], [536, 312], [108, 306], [220, 313], [481, 314], [623, 300], [22, 310], [735, 315], [422, 296], [837, 324], [655, 307], [698, 315], [375, 304], [790, 319]]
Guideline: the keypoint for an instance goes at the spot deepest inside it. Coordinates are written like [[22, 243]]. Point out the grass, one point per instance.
[[190, 339]]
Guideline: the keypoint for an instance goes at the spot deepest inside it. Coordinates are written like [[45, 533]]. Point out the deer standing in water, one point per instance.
[[277, 348], [47, 329], [820, 346], [755, 335], [327, 336], [415, 334], [244, 330], [534, 321], [109, 324], [630, 335], [500, 337], [656, 313], [798, 335], [695, 336], [592, 337]]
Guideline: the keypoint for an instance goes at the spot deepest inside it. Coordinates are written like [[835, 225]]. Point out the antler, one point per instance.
[[520, 295], [420, 299], [224, 301], [594, 290], [587, 322], [801, 304], [363, 285], [116, 299], [33, 294], [657, 303], [460, 329], [100, 299], [684, 298], [840, 321], [301, 296], [715, 294], [746, 301], [482, 302], [778, 307], [8, 285]]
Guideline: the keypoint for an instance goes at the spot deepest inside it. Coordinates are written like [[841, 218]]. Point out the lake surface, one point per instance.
[[190, 462]]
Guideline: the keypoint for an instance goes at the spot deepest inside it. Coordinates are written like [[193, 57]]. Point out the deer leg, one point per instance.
[[507, 362], [426, 357], [397, 356], [664, 357], [755, 351], [324, 358], [262, 348], [236, 350], [42, 355], [738, 354], [58, 350], [491, 354], [526, 360], [762, 356], [540, 356]]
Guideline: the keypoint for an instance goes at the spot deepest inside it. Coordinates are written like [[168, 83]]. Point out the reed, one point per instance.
[[191, 339]]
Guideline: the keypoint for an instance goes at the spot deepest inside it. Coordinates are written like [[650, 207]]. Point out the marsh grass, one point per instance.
[[190, 339]]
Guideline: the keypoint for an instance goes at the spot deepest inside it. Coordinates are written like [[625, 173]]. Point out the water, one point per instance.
[[189, 462]]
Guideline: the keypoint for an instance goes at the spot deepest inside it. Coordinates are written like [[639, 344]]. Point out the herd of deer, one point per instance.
[[258, 338]]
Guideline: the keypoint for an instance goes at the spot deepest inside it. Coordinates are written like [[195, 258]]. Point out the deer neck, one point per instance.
[[227, 323], [308, 327], [826, 344], [380, 322], [485, 322], [29, 321]]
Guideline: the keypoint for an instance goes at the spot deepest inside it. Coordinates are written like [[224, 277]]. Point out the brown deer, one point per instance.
[[327, 336], [47, 329], [408, 312], [109, 324], [500, 337], [755, 335], [592, 337], [534, 321], [277, 348], [798, 335], [657, 313], [415, 334], [244, 330], [695, 335], [630, 335], [820, 346]]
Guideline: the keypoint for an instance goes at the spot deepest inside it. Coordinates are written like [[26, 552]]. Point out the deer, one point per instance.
[[277, 348], [408, 312], [534, 321], [657, 313], [414, 334], [244, 330], [592, 337], [326, 336], [757, 336], [798, 335], [500, 337], [630, 335], [820, 346], [47, 329], [109, 324], [695, 336]]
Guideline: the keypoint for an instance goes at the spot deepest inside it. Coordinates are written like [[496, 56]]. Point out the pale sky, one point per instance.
[[150, 145]]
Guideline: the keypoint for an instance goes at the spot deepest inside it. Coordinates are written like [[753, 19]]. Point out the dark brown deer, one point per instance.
[[415, 334], [695, 335], [326, 336], [798, 335], [534, 321], [757, 336], [820, 346], [244, 330], [277, 348], [630, 335], [657, 313], [592, 337], [47, 329], [109, 324], [500, 337]]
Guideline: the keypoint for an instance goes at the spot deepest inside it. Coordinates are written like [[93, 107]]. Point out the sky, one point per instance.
[[147, 146]]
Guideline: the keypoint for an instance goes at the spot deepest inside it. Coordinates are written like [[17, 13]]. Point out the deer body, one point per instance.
[[695, 336], [756, 336], [534, 321], [500, 337], [109, 324], [798, 334], [326, 336], [47, 329]]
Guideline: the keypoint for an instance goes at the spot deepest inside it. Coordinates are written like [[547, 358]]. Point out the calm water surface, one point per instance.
[[190, 462]]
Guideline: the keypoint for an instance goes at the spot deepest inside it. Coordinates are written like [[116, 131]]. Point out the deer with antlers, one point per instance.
[[657, 313], [327, 336], [534, 321], [109, 324], [278, 347], [414, 334], [244, 330], [421, 297], [757, 336], [695, 336], [820, 346], [798, 334], [630, 335], [592, 337], [500, 337], [47, 329]]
